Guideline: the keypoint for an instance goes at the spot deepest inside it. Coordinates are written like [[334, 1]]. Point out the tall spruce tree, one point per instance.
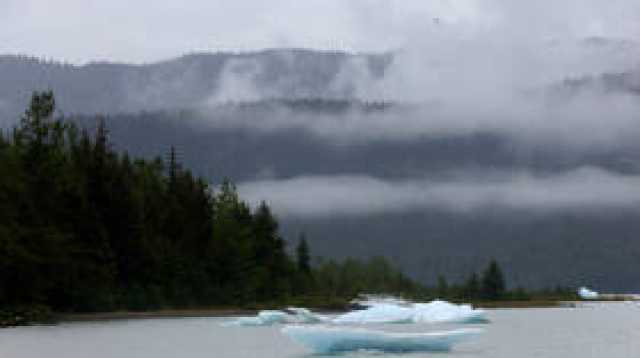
[[302, 255], [443, 286], [493, 283], [471, 288]]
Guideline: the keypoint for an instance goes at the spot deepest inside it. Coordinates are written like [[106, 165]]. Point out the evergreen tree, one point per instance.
[[443, 287], [270, 255], [304, 279], [302, 255], [173, 168], [493, 283], [471, 289]]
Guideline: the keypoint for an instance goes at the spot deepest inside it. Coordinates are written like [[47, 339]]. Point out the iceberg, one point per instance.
[[272, 317], [587, 294], [331, 340], [433, 312]]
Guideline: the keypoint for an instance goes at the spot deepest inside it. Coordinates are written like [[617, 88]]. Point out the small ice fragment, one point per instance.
[[264, 318], [587, 294], [269, 318], [328, 340]]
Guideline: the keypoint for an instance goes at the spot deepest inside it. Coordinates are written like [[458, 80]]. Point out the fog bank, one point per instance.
[[583, 190]]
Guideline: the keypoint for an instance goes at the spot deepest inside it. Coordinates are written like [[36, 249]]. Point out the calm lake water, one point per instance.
[[592, 330]]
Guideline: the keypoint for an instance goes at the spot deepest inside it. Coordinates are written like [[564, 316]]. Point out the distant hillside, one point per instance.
[[186, 82], [199, 80]]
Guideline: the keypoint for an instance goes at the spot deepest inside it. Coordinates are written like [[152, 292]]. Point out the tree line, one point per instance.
[[85, 228]]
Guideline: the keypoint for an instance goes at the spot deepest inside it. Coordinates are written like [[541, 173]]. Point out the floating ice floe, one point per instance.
[[272, 317], [328, 340], [587, 294], [433, 312]]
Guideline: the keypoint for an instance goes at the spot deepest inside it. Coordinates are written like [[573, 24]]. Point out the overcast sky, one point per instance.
[[150, 30]]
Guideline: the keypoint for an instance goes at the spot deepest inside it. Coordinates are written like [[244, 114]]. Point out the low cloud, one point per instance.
[[237, 82], [319, 196], [491, 66], [590, 119]]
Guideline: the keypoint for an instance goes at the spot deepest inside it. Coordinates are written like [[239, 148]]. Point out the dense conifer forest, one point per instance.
[[84, 228]]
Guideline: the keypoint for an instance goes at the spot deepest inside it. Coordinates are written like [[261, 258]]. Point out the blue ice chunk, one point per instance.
[[330, 340]]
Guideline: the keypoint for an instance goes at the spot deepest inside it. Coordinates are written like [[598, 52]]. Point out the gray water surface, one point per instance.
[[592, 330]]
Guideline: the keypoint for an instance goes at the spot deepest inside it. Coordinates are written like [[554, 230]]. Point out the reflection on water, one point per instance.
[[593, 330]]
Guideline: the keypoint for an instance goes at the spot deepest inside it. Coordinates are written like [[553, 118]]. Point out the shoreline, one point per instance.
[[61, 317], [235, 312], [170, 313], [524, 304]]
